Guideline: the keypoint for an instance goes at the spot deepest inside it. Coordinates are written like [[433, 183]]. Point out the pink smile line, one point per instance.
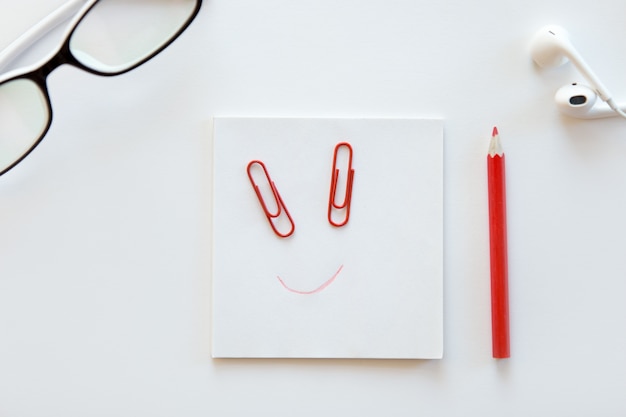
[[319, 289]]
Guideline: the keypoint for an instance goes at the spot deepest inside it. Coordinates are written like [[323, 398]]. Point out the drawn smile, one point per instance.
[[315, 291]]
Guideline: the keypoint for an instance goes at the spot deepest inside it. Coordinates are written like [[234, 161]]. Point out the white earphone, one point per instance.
[[582, 102], [551, 47]]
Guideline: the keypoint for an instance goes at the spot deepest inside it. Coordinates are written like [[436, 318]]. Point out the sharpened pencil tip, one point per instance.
[[495, 148]]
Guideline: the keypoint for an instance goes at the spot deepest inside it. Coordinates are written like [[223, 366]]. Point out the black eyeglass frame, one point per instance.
[[64, 56]]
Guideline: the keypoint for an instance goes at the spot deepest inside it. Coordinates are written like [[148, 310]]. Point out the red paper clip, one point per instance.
[[272, 217], [332, 199]]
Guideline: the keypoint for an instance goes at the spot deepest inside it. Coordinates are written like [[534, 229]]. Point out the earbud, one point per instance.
[[551, 47], [582, 102]]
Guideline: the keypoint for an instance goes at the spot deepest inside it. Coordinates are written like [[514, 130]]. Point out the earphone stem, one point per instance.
[[616, 108], [582, 66]]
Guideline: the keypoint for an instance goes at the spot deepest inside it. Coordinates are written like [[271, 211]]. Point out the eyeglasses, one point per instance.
[[107, 37]]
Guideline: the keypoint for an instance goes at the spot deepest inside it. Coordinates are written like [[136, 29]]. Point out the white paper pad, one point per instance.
[[386, 298]]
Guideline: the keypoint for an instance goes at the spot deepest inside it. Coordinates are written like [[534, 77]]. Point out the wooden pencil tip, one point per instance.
[[495, 148]]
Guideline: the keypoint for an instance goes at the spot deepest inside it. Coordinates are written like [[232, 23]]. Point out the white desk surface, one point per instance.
[[105, 233]]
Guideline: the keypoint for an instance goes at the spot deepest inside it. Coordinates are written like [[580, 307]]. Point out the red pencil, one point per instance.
[[498, 248]]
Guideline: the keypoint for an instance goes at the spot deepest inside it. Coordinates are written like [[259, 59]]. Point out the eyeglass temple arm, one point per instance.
[[36, 32]]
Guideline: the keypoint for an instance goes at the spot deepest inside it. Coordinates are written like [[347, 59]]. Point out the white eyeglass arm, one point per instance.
[[36, 32]]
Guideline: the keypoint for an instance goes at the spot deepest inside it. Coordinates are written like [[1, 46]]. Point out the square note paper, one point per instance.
[[371, 288]]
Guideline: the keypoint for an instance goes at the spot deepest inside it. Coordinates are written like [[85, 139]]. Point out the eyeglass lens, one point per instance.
[[117, 34], [112, 37], [24, 116]]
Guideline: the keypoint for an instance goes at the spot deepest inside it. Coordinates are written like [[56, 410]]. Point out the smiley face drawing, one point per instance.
[[278, 215], [327, 238]]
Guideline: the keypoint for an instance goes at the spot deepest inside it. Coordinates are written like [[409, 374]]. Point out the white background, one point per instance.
[[105, 229]]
